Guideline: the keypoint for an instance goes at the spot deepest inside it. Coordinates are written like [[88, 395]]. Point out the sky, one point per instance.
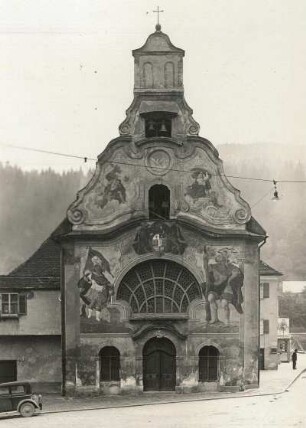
[[294, 286], [66, 71]]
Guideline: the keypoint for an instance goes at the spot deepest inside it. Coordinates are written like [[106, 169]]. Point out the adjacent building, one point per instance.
[[30, 320], [155, 269], [270, 283]]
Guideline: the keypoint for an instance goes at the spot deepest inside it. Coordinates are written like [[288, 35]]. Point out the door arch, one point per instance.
[[159, 365], [208, 364]]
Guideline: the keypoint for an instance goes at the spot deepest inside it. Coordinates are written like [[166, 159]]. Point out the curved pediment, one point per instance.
[[193, 172]]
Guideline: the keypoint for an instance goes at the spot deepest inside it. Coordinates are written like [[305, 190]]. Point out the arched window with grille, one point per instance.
[[109, 364], [208, 364], [158, 287]]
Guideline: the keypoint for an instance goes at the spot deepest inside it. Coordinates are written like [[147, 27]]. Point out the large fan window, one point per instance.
[[158, 286]]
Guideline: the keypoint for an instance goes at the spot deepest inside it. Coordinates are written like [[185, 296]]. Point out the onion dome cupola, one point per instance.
[[159, 108]]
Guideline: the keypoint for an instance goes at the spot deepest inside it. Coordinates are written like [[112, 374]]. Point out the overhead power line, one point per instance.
[[87, 158]]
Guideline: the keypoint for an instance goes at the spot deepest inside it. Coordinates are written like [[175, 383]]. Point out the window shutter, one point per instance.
[[22, 304], [266, 290], [266, 326], [261, 291], [261, 327]]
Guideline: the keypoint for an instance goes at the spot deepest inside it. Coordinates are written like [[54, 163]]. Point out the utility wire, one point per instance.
[[86, 158], [262, 198]]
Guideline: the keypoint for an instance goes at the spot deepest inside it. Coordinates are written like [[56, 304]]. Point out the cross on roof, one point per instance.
[[158, 11]]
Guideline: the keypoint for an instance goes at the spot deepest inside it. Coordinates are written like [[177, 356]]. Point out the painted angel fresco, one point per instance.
[[114, 189], [201, 186]]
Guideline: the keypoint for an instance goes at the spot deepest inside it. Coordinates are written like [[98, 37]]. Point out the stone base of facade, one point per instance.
[[114, 388]]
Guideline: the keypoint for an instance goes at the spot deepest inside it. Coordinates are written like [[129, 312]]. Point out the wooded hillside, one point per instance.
[[34, 203]]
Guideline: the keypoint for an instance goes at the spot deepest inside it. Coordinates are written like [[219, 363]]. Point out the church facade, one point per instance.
[[160, 259], [151, 283]]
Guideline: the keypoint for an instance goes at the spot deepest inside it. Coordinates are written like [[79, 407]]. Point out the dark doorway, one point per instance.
[[159, 365], [8, 371], [208, 364], [110, 364], [159, 202], [262, 359]]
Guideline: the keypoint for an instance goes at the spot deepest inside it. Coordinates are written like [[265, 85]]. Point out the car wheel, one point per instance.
[[27, 409]]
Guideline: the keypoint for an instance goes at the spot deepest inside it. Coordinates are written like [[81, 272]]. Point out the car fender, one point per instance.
[[27, 400]]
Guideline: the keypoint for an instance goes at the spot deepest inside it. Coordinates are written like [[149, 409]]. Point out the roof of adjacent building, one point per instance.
[[41, 270], [266, 270]]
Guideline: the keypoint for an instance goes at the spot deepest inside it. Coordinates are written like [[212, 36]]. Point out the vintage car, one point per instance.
[[18, 397]]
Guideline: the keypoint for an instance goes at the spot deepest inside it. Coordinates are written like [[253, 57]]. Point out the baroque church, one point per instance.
[[158, 258]]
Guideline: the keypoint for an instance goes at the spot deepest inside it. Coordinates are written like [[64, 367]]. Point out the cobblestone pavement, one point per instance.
[[271, 382]]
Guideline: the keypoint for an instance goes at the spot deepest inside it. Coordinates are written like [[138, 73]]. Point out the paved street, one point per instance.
[[282, 410]]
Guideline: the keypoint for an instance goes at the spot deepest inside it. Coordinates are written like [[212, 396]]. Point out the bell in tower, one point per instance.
[[159, 108]]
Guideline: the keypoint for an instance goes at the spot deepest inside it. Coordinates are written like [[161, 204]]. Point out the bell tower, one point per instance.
[[158, 65], [159, 108]]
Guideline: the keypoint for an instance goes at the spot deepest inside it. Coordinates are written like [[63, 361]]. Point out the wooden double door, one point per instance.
[[159, 365]]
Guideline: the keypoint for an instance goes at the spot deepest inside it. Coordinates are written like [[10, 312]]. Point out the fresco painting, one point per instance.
[[114, 190], [221, 269], [202, 198], [113, 194], [223, 277], [224, 281], [201, 186], [95, 286], [117, 192]]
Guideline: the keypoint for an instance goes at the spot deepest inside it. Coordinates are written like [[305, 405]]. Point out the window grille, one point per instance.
[[110, 364], [208, 364], [159, 286]]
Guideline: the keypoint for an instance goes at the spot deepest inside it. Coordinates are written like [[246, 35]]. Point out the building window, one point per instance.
[[264, 290], [156, 287], [159, 202], [265, 326], [208, 364], [12, 304], [8, 371], [110, 364]]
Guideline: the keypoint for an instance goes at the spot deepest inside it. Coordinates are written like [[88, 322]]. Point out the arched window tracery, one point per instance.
[[157, 287]]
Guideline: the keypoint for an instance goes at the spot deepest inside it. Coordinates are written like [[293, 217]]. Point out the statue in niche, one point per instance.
[[114, 189], [224, 280], [96, 286]]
